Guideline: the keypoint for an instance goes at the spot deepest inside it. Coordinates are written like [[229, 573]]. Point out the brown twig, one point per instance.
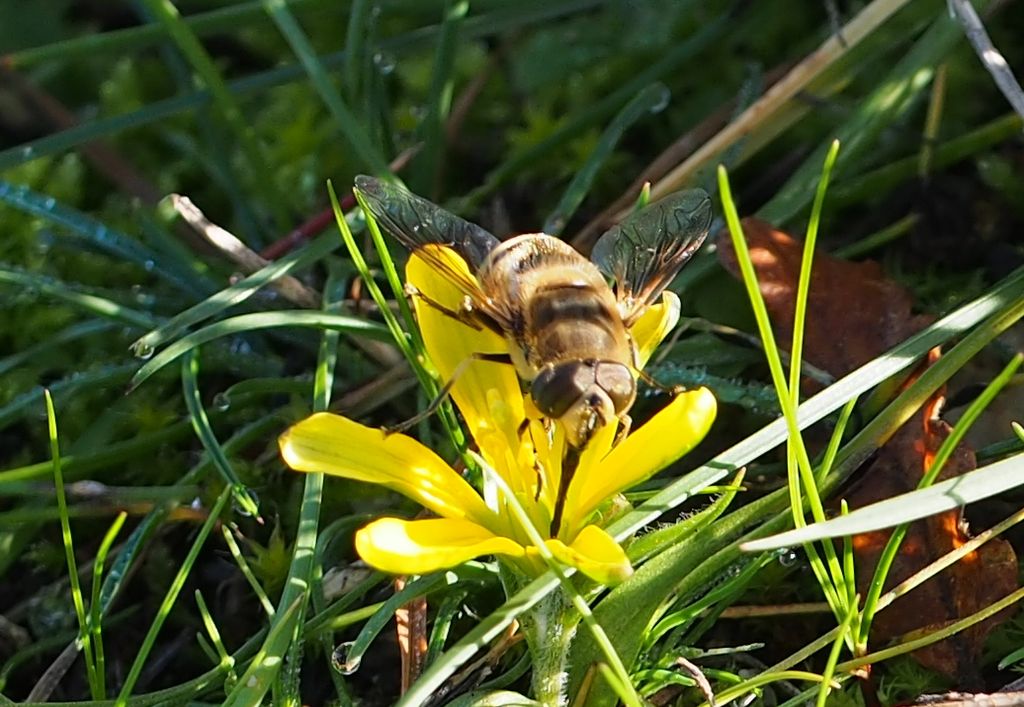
[[56, 671], [250, 261], [411, 626], [990, 57], [240, 254], [787, 88], [475, 672], [698, 675]]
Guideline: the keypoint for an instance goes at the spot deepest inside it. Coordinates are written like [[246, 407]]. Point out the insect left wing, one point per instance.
[[416, 223], [647, 250]]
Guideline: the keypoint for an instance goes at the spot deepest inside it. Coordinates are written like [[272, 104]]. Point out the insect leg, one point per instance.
[[446, 389], [466, 314]]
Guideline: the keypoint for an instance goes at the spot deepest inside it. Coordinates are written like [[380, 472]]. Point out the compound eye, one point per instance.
[[617, 381], [556, 389]]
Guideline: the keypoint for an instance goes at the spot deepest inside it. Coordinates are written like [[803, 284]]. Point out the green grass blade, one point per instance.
[[360, 17], [800, 473], [411, 344], [84, 634], [256, 680], [110, 241], [381, 618], [426, 168], [897, 93], [258, 320], [171, 597], [884, 179], [257, 168], [236, 293], [96, 604], [504, 19], [89, 303], [950, 494], [479, 636], [351, 128], [231, 18], [324, 619], [111, 454], [26, 403], [306, 567], [943, 454], [223, 658], [673, 60], [53, 342], [652, 99], [201, 424], [246, 570]]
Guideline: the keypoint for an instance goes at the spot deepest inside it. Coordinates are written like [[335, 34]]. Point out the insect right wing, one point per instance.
[[647, 250], [416, 223]]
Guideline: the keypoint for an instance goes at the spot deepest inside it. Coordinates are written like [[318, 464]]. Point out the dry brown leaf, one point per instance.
[[979, 579], [854, 312]]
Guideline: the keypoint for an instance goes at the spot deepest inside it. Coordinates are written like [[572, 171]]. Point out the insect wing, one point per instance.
[[646, 251], [416, 223]]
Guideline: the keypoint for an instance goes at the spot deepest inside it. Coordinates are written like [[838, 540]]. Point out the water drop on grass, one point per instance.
[[341, 661]]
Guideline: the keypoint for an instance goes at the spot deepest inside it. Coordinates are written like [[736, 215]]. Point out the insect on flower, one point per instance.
[[566, 328]]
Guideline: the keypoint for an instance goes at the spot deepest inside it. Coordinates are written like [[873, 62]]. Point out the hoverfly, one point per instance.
[[566, 328]]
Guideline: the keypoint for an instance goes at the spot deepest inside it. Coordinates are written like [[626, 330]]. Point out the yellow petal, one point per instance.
[[667, 436], [421, 546], [655, 324], [488, 394], [335, 445], [596, 554]]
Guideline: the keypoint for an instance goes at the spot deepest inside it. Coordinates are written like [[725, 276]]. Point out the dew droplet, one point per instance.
[[240, 347], [663, 98], [142, 349], [222, 402], [385, 63], [341, 661], [787, 557]]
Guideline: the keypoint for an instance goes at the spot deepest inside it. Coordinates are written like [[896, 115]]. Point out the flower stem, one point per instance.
[[549, 628]]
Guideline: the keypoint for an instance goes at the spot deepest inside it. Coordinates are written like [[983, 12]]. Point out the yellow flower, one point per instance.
[[528, 459]]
